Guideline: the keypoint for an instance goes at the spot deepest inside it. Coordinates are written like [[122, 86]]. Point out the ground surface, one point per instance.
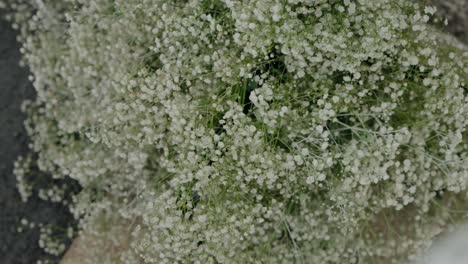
[[456, 11], [14, 88]]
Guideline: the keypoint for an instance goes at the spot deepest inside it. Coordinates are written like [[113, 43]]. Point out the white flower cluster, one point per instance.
[[24, 224], [51, 245], [260, 131], [21, 170]]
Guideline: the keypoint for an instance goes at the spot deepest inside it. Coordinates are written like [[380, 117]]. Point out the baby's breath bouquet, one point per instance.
[[259, 131]]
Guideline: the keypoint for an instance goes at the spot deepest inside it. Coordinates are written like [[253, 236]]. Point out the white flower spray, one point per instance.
[[261, 131]]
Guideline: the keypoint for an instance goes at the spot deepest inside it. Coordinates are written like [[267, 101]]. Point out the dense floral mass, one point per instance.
[[260, 131]]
